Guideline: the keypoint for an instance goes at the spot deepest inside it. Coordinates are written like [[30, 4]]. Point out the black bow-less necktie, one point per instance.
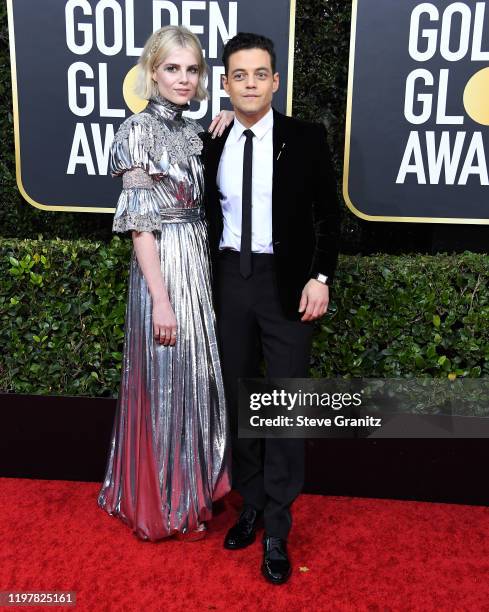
[[245, 253]]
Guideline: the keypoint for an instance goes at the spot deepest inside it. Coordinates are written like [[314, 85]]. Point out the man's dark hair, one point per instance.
[[247, 40]]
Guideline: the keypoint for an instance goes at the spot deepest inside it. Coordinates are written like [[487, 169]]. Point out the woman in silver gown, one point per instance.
[[168, 459]]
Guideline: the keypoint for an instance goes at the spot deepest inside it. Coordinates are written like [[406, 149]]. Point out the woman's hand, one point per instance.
[[220, 122], [164, 323]]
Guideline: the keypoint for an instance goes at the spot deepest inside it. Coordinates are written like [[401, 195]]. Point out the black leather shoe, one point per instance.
[[243, 533], [276, 565]]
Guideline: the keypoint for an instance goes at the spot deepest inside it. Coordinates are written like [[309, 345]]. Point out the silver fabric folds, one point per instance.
[[169, 453], [137, 177], [137, 210]]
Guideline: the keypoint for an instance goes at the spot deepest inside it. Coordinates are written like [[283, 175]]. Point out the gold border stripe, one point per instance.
[[290, 72]]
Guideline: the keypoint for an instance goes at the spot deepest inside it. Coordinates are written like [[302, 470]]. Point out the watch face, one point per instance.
[[322, 278]]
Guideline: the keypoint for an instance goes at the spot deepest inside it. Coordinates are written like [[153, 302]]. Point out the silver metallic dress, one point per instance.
[[169, 454]]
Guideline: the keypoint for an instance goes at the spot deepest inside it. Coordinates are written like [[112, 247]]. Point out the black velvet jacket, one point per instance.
[[305, 210]]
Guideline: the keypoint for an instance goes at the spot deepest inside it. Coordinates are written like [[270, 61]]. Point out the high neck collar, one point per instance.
[[167, 109]]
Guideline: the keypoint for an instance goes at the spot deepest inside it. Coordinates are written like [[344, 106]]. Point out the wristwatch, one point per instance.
[[322, 278]]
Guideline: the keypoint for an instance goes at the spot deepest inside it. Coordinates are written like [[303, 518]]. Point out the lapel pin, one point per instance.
[[280, 152]]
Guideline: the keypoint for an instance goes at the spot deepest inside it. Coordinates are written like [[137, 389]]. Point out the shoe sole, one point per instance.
[[230, 547], [270, 580]]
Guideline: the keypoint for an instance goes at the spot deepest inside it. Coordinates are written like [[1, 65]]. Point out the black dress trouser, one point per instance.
[[268, 473]]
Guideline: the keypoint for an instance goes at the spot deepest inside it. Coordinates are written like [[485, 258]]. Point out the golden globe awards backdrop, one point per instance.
[[417, 134], [73, 72]]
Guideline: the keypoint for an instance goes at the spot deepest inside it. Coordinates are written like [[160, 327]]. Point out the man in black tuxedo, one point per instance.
[[273, 220]]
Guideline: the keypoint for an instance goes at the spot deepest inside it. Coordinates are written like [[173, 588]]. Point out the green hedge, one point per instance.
[[62, 314]]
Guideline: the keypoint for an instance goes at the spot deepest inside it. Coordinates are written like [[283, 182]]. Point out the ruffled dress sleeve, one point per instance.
[[130, 157]]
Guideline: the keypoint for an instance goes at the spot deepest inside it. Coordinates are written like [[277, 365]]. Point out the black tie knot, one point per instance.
[[249, 134]]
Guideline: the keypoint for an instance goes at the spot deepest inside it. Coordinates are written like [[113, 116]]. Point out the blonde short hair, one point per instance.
[[157, 48]]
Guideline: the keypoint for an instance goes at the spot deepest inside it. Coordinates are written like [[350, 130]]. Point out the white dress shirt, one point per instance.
[[230, 184]]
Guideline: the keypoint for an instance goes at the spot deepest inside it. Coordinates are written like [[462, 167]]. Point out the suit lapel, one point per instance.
[[279, 163]]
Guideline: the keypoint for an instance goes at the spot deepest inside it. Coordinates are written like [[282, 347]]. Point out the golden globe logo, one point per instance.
[[448, 156], [133, 101], [476, 97]]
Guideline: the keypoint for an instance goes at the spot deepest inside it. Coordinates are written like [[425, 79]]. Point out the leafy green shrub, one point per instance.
[[62, 307], [407, 316]]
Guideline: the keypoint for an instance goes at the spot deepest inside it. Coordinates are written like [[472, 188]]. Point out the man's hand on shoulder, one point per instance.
[[314, 300], [220, 123]]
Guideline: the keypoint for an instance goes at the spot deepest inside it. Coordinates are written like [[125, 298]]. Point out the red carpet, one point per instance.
[[360, 554]]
